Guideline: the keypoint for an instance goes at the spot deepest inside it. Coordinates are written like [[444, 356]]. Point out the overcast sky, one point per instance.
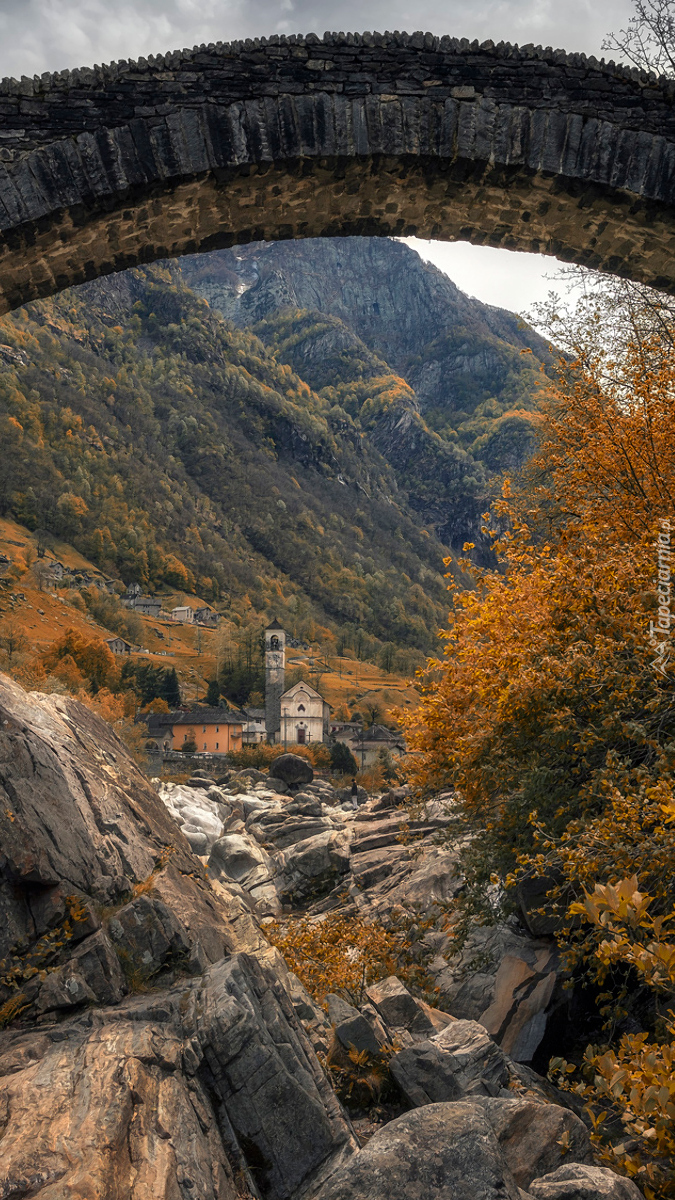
[[48, 35]]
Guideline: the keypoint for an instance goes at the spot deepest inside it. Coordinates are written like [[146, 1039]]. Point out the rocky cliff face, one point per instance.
[[397, 304], [153, 1045], [342, 310]]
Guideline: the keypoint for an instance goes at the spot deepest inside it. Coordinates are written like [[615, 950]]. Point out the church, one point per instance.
[[299, 715]]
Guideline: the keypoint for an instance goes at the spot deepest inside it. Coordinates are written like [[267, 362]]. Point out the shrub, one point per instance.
[[345, 954]]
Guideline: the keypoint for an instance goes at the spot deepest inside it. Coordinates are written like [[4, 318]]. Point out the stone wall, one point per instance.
[[528, 148]]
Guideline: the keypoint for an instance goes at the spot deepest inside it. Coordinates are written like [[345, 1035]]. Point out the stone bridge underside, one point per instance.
[[286, 137]]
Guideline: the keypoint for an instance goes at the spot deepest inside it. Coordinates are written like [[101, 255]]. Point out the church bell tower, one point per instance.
[[275, 670]]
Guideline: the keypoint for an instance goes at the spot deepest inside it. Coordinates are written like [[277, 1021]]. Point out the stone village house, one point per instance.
[[215, 730]]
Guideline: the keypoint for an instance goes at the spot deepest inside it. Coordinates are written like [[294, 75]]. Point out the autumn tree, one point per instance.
[[12, 639], [547, 705]]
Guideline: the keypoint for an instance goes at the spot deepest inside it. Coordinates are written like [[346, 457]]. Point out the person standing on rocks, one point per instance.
[[355, 793]]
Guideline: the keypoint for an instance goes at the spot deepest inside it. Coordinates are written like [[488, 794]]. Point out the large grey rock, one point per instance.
[[577, 1181], [104, 1111], [292, 769], [241, 860], [536, 1138], [196, 808], [352, 1029], [461, 1060], [277, 785], [281, 827], [312, 867], [441, 1152], [398, 1008], [505, 979], [148, 936], [169, 1095], [256, 1057]]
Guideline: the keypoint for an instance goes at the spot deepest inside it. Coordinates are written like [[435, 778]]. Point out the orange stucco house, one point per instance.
[[215, 730]]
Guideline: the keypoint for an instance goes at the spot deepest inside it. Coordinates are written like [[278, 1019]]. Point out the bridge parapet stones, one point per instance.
[[291, 136]]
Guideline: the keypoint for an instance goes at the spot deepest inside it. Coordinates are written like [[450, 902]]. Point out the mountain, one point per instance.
[[172, 449], [346, 312], [283, 460]]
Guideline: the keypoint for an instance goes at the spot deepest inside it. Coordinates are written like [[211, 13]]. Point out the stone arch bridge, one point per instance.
[[527, 148]]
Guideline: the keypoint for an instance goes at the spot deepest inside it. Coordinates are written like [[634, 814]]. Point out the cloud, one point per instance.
[[48, 35]]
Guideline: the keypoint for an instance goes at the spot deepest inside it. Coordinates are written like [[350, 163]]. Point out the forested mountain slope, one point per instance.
[[280, 458], [171, 448], [346, 312]]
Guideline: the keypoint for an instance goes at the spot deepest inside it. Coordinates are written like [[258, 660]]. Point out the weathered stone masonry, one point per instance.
[[284, 137]]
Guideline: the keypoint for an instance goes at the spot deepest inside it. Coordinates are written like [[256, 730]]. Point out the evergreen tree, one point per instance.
[[342, 760], [171, 688]]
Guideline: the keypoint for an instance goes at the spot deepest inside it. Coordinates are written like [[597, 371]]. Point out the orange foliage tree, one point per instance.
[[91, 658], [551, 711], [546, 700]]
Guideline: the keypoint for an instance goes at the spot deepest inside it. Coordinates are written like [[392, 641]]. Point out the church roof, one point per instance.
[[306, 687], [275, 625]]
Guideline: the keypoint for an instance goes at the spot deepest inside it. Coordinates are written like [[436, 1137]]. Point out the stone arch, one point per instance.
[[527, 148]]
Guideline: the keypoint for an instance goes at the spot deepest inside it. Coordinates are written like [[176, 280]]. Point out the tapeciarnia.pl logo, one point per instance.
[[659, 630]]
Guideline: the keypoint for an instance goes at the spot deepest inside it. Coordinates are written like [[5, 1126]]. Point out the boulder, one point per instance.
[[398, 1008], [292, 769], [577, 1181], [536, 1139], [313, 866], [441, 1152], [352, 1030], [307, 806], [277, 785], [197, 812], [253, 774], [461, 1060], [283, 827], [241, 860], [508, 981]]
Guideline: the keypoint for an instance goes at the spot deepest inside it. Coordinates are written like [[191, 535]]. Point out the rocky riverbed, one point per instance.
[[153, 1042]]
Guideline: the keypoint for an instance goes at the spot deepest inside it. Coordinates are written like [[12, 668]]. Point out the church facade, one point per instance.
[[305, 716]]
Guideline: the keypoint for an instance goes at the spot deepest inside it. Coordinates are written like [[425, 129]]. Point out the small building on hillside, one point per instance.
[[133, 590], [147, 606], [207, 616], [215, 730], [254, 729], [118, 645], [366, 744], [183, 613], [305, 716]]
